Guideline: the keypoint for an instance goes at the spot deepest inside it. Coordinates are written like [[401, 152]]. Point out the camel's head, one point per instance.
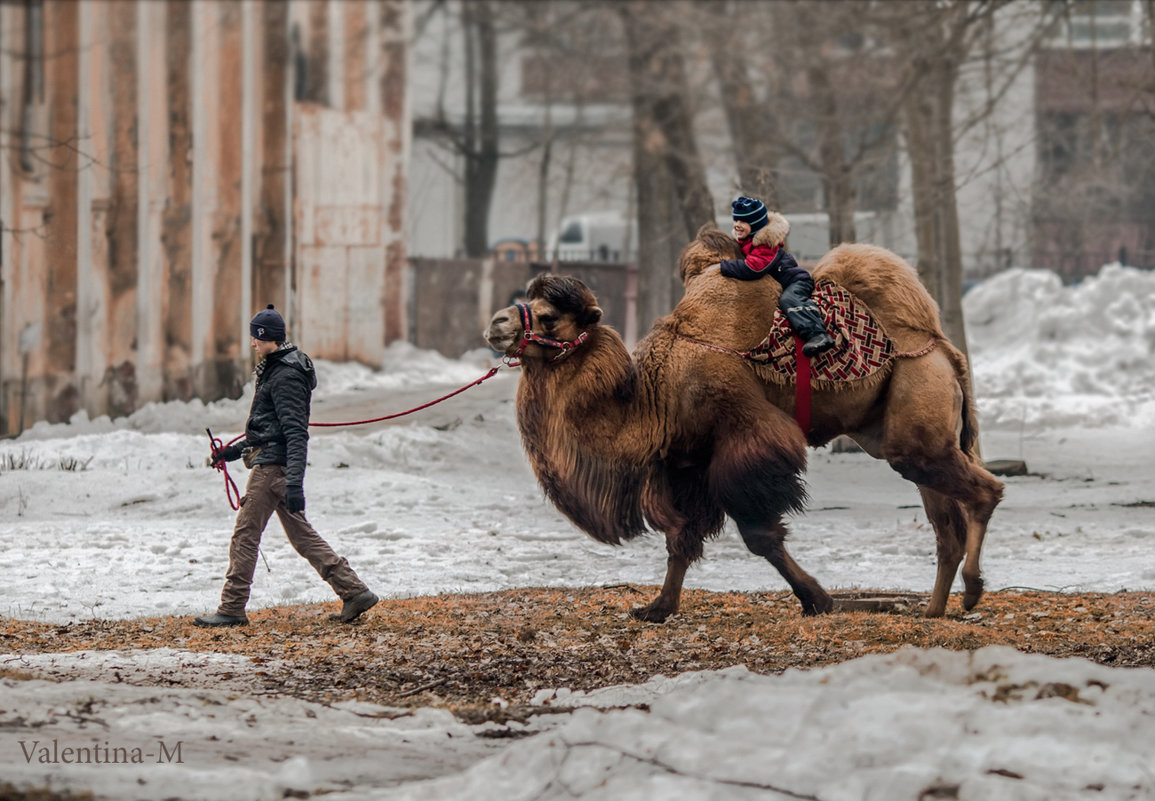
[[708, 248], [562, 308]]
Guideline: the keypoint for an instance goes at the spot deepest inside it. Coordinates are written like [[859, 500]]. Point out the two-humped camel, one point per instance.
[[681, 435]]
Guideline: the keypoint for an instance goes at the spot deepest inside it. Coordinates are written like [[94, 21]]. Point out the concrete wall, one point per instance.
[[147, 192]]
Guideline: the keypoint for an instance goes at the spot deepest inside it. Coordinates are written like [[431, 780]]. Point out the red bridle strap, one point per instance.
[[528, 335]]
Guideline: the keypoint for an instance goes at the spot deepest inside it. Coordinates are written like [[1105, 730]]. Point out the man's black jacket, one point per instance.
[[279, 417]]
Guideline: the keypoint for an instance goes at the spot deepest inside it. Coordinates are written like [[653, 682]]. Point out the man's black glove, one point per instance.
[[295, 499], [229, 454]]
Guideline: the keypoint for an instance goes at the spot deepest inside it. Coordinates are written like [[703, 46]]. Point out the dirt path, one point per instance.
[[463, 651]]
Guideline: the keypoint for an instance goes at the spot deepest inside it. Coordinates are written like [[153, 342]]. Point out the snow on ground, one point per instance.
[[994, 725], [118, 519], [216, 745]]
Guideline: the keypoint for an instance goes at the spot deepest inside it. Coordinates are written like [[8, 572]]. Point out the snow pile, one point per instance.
[[140, 743], [1046, 354]]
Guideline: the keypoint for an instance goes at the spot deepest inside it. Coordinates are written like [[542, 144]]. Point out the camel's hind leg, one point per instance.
[[976, 532], [923, 440], [978, 493], [949, 520]]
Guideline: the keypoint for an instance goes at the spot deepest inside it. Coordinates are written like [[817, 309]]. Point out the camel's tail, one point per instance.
[[968, 439]]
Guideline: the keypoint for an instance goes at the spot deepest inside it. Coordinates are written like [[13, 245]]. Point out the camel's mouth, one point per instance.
[[504, 331]]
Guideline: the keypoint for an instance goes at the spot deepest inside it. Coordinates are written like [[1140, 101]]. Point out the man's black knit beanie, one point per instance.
[[268, 325]]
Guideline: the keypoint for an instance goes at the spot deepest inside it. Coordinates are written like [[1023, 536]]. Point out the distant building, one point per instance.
[[1094, 200]]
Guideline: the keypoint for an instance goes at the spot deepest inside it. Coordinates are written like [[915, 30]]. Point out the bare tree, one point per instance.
[[847, 103], [575, 58], [933, 41], [544, 33], [1149, 16], [479, 140], [747, 115], [807, 96], [673, 199], [474, 137]]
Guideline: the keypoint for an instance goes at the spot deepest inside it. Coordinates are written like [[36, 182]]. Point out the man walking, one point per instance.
[[275, 447]]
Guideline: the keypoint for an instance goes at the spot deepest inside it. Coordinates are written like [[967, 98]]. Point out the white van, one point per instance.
[[594, 236]]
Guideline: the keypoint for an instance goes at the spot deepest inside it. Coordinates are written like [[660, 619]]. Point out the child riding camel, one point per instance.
[[762, 234]]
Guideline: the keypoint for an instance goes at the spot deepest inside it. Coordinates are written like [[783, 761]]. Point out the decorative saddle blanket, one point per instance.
[[862, 350]]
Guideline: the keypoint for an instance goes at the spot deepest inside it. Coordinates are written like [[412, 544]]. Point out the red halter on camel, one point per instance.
[[528, 335]]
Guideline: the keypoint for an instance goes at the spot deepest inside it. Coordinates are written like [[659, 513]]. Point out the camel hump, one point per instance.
[[887, 284]]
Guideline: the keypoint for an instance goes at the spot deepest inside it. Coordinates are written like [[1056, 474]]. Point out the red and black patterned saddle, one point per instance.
[[862, 349]]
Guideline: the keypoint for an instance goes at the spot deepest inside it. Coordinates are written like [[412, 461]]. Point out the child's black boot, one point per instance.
[[819, 343]]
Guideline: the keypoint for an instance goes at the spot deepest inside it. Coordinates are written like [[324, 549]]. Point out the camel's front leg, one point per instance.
[[768, 542], [670, 597]]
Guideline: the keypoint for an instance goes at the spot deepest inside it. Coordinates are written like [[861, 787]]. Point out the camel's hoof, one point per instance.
[[651, 613], [822, 605], [974, 591]]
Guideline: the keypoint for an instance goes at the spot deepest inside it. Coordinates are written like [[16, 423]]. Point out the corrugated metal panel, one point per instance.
[[338, 218], [138, 263]]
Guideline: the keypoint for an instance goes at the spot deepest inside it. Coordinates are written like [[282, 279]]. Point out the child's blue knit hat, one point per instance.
[[751, 211]]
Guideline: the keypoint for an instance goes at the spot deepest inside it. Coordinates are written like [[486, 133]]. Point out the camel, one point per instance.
[[686, 432]]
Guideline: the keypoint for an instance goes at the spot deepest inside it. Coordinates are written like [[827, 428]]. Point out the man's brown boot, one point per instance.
[[355, 607], [218, 619]]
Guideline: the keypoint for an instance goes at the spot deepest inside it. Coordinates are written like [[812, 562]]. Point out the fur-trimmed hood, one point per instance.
[[774, 232]]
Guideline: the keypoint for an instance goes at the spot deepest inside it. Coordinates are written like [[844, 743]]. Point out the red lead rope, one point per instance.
[[512, 361], [231, 491], [492, 372]]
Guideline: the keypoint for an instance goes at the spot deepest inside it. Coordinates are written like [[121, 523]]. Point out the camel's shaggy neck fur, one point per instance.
[[581, 435]]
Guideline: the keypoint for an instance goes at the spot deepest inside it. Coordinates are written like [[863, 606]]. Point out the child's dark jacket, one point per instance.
[[765, 255]]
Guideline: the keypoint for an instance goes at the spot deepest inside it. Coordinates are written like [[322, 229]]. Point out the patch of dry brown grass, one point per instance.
[[462, 651]]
